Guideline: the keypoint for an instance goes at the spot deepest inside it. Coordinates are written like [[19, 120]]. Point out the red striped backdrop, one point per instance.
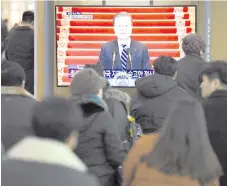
[[79, 40]]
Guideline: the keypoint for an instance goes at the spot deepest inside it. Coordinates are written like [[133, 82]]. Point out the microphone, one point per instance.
[[113, 59], [129, 57]]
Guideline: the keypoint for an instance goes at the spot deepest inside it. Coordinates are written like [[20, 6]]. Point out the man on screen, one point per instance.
[[124, 53]]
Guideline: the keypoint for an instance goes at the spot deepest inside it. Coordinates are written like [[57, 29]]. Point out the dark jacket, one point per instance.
[[4, 33], [44, 162], [216, 115], [20, 48], [188, 72], [117, 103], [99, 144], [17, 105], [151, 105]]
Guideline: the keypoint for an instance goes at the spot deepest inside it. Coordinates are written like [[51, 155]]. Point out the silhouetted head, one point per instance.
[[165, 65], [56, 118], [12, 74], [213, 77], [193, 44], [28, 18]]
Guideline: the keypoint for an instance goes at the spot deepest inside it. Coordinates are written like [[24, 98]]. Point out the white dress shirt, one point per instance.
[[125, 42]]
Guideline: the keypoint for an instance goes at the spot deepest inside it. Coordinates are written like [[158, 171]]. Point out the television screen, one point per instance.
[[124, 47]]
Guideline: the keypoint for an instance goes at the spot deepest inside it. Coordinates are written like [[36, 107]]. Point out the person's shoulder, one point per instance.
[[137, 43], [147, 141]]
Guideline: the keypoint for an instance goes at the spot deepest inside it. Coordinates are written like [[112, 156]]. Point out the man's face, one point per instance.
[[123, 27], [208, 86]]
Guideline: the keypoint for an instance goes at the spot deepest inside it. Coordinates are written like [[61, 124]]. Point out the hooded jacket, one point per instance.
[[151, 105], [117, 102], [99, 144]]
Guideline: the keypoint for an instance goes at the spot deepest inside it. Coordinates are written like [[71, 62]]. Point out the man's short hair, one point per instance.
[[12, 74], [165, 65], [28, 17], [121, 14], [215, 70], [55, 118], [193, 44]]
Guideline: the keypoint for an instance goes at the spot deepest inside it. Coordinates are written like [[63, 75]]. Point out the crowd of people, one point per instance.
[[84, 139]]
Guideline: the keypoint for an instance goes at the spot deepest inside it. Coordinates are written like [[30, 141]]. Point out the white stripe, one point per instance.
[[95, 49], [150, 13], [82, 34], [123, 58], [141, 7], [147, 42], [139, 27], [92, 57], [110, 20]]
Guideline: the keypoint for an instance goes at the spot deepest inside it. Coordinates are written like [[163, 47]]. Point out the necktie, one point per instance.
[[124, 57]]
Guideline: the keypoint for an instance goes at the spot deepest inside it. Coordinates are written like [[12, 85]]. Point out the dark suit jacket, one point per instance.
[[188, 72], [140, 57]]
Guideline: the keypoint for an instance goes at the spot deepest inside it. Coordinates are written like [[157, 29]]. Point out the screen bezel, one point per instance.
[[55, 25]]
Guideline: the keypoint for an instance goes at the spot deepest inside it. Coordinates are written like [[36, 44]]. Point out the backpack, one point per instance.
[[134, 131]]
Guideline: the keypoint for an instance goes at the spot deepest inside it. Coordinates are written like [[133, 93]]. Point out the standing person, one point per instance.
[[99, 143], [16, 104], [122, 46], [117, 102], [180, 154], [190, 67], [155, 95], [20, 48], [214, 90]]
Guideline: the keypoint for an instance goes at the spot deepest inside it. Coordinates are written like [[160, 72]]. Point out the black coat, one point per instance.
[[216, 115], [20, 49], [151, 105], [188, 72], [117, 103], [4, 33], [16, 106], [99, 144], [44, 162]]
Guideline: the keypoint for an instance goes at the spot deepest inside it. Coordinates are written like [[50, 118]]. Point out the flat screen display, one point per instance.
[[88, 35]]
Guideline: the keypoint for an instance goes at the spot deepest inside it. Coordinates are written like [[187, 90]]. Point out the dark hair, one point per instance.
[[54, 118], [165, 65], [98, 68], [12, 74], [215, 70], [183, 147], [28, 17], [121, 14], [193, 44]]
